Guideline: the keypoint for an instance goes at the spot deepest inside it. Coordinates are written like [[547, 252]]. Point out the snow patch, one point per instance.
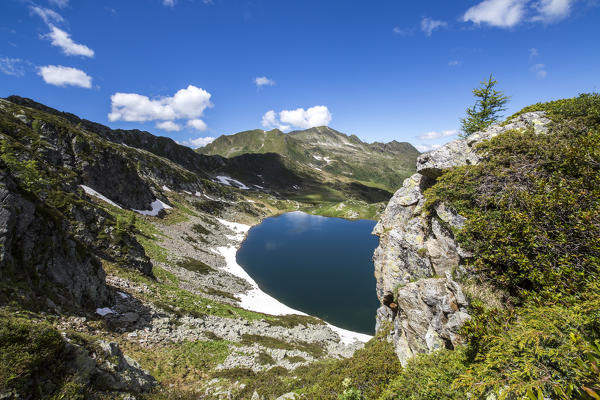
[[349, 337], [123, 295], [210, 198], [104, 311], [229, 181], [326, 159], [166, 188], [92, 192], [234, 226], [156, 205]]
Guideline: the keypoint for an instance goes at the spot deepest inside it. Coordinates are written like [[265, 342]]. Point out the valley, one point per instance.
[[118, 265], [160, 225]]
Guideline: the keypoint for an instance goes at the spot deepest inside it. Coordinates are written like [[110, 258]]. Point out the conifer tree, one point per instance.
[[487, 109]]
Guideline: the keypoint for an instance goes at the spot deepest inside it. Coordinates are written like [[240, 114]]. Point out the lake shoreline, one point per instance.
[[256, 299]]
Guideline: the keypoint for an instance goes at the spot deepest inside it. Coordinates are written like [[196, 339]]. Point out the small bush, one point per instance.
[[27, 348], [429, 377], [200, 230], [369, 371], [194, 265]]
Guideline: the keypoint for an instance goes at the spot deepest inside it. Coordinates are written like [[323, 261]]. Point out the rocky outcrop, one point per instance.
[[422, 304], [462, 152], [106, 368], [40, 261]]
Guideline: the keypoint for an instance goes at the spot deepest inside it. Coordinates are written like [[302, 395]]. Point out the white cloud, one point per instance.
[[454, 63], [500, 13], [187, 103], [169, 3], [298, 118], [539, 70], [428, 25], [11, 66], [59, 75], [63, 40], [198, 142], [533, 52], [59, 3], [508, 13], [269, 121], [301, 118], [168, 126], [263, 81], [436, 135], [197, 124], [49, 16], [423, 148], [552, 10], [402, 32]]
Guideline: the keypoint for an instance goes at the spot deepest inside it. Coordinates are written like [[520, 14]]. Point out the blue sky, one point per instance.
[[382, 70]]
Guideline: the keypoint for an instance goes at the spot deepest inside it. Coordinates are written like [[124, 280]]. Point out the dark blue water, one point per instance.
[[322, 266]]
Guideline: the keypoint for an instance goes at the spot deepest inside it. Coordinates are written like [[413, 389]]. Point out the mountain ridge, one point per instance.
[[323, 150]]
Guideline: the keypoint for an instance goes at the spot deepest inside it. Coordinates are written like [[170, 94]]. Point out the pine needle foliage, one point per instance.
[[487, 109]]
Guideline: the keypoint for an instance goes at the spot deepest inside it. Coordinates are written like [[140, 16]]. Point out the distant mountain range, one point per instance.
[[325, 154]]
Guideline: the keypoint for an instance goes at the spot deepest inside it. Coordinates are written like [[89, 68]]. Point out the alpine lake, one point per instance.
[[318, 265]]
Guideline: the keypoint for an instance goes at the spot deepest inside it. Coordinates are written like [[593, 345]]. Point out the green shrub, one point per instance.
[[533, 209], [369, 371], [191, 264], [429, 377], [27, 348], [200, 230], [533, 224], [533, 349], [586, 106]]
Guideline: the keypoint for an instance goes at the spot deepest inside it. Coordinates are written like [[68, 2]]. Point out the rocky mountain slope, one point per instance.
[[325, 152], [115, 260], [267, 172]]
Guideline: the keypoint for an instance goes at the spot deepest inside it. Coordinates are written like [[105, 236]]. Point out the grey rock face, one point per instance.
[[108, 369], [120, 372], [422, 305], [37, 251], [99, 167], [430, 313]]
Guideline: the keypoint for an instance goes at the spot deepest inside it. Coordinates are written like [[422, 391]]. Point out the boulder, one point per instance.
[[120, 372]]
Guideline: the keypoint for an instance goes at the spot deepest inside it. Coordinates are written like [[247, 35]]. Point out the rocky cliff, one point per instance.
[[419, 264]]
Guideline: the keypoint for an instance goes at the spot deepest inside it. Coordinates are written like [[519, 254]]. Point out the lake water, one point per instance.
[[321, 266]]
